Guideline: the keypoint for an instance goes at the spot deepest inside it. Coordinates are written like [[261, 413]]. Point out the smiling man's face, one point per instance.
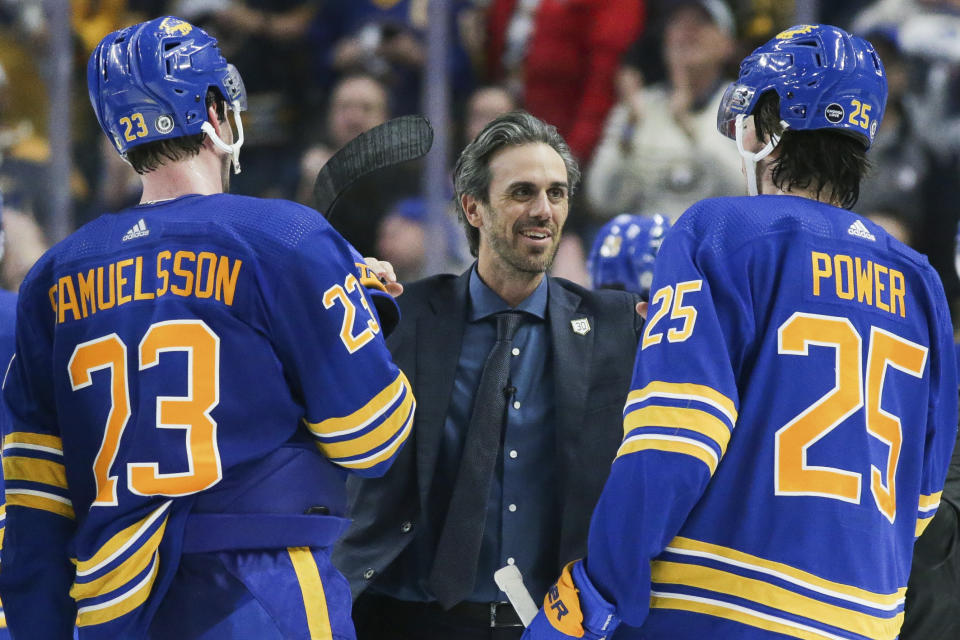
[[528, 205]]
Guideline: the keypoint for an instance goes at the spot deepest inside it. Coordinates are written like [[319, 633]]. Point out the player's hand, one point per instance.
[[642, 308], [384, 270], [573, 608]]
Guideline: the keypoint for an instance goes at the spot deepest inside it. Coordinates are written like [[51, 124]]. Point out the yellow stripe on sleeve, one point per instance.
[[365, 415], [931, 500], [53, 443], [776, 597], [119, 542], [311, 587], [672, 444], [122, 604], [380, 456], [372, 439], [35, 470], [40, 500], [686, 391], [922, 524], [688, 546], [123, 572], [680, 418]]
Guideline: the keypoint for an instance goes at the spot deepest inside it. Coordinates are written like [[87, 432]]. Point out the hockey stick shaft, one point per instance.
[[510, 581]]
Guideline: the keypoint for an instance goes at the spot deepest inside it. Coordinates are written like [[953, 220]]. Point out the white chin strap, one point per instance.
[[751, 159], [232, 149]]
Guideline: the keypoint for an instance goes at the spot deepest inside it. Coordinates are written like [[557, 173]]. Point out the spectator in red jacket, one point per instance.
[[561, 56]]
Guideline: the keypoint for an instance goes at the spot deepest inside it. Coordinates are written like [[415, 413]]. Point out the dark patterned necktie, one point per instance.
[[454, 569]]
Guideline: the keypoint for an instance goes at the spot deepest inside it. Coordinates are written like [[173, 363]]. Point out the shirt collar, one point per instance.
[[484, 302]]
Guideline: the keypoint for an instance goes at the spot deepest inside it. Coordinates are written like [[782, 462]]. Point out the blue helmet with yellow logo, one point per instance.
[[624, 251], [825, 77], [149, 82]]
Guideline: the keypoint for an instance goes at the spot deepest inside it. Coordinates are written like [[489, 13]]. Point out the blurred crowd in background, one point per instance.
[[633, 86]]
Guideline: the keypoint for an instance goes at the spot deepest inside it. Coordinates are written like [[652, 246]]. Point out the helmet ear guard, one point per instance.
[[149, 82], [824, 77]]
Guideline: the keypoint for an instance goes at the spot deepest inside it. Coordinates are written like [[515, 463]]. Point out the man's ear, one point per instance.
[[214, 119], [471, 208]]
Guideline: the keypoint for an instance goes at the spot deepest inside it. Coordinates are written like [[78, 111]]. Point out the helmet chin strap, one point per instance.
[[751, 159], [232, 149]]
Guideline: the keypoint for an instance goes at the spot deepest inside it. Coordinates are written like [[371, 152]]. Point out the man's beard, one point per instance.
[[525, 263]]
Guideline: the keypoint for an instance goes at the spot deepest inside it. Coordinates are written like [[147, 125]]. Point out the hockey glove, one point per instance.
[[573, 608], [388, 314]]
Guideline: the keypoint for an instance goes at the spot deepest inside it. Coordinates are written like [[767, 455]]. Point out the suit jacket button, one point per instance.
[[406, 527], [369, 573]]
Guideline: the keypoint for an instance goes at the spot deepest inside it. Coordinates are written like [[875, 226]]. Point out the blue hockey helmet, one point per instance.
[[149, 82], [624, 251], [825, 77]]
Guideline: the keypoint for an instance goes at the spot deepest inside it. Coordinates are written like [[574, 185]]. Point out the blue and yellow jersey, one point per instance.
[[787, 434], [163, 352], [8, 316]]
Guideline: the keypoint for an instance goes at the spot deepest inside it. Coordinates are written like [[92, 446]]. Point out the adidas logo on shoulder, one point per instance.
[[860, 230], [138, 230]]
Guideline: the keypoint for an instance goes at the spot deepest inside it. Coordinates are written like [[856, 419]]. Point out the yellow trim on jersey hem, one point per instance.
[[931, 500], [738, 614], [123, 573], [704, 423], [17, 498], [372, 439], [117, 541], [776, 597], [922, 524], [35, 470], [380, 456], [671, 444], [121, 605], [686, 390], [311, 587], [366, 414], [39, 439], [879, 600]]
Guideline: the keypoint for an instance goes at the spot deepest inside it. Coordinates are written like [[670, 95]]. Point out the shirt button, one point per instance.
[[369, 573], [513, 453], [516, 404], [511, 561], [512, 507], [406, 527], [515, 351]]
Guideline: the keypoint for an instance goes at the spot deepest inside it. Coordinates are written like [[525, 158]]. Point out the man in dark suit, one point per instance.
[[520, 382]]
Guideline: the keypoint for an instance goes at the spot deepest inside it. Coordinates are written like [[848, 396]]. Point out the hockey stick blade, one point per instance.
[[393, 142], [510, 581]]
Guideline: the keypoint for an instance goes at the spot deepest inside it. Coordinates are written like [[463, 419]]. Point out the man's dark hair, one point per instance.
[[829, 162], [147, 157], [471, 175]]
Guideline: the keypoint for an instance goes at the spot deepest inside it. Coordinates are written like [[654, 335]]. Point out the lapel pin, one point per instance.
[[580, 326]]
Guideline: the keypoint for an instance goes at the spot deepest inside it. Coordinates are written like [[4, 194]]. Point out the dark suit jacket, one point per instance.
[[592, 374]]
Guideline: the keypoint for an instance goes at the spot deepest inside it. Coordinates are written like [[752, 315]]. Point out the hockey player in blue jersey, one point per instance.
[[8, 317], [194, 377], [624, 252], [794, 400]]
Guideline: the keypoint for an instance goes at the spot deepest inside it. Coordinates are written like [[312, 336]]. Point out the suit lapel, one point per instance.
[[572, 334], [439, 339]]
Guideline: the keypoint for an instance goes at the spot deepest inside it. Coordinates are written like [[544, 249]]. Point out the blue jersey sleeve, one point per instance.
[[678, 420], [359, 406], [942, 421], [36, 570]]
